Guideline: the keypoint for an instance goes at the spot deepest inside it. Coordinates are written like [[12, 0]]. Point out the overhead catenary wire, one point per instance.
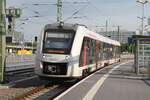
[[75, 13], [67, 3], [59, 5]]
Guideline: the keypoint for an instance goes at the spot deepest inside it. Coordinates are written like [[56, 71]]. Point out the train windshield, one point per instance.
[[58, 42]]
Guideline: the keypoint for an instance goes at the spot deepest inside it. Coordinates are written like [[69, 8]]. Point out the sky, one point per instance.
[[92, 13]]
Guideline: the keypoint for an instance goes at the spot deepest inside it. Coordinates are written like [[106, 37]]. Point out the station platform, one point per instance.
[[114, 82]]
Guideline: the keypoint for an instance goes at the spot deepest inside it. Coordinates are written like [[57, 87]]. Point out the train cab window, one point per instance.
[[58, 42]]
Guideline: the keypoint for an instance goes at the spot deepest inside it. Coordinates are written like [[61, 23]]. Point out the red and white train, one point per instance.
[[73, 51]]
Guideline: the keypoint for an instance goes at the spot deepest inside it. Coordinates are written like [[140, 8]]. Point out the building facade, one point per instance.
[[122, 36]]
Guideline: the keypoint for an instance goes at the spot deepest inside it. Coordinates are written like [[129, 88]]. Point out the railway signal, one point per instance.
[[12, 14]]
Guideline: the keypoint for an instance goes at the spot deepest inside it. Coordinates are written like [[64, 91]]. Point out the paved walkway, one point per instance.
[[116, 82]]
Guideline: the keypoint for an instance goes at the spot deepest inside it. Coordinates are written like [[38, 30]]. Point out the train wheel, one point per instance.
[[119, 60], [85, 73], [106, 64]]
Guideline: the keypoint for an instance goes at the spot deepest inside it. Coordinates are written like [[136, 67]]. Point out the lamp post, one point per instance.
[[143, 2]]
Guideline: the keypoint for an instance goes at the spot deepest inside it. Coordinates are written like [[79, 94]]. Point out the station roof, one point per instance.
[[140, 37]]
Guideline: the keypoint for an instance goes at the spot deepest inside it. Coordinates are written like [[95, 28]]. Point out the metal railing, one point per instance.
[[12, 58], [19, 62]]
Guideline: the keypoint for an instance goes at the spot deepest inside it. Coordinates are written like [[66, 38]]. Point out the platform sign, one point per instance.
[[130, 40], [146, 41], [2, 40]]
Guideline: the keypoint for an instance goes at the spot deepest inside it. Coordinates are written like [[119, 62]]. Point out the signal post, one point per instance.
[[2, 40]]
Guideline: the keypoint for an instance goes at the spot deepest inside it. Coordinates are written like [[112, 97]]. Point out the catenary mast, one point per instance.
[[2, 39]]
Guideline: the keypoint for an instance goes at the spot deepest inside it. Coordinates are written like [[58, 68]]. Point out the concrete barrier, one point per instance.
[[20, 58]]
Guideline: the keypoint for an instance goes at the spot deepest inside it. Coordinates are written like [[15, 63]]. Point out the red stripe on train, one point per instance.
[[91, 35]]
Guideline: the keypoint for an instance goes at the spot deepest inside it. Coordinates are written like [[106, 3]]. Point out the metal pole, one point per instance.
[[142, 18], [137, 57], [119, 34], [59, 11], [2, 40], [106, 27], [13, 28]]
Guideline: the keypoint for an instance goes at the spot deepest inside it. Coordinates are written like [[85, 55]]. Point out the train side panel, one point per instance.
[[75, 53]]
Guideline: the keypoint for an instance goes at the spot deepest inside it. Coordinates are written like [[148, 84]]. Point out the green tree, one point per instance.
[[126, 47]]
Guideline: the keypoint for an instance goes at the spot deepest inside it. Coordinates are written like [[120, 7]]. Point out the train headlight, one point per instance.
[[52, 69], [43, 56], [67, 57]]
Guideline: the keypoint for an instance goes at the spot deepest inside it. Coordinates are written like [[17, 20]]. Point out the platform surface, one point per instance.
[[115, 82]]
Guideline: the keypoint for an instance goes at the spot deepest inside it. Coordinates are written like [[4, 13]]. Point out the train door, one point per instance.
[[84, 53], [97, 51]]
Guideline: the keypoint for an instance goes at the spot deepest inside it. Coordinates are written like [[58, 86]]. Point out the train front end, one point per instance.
[[54, 51]]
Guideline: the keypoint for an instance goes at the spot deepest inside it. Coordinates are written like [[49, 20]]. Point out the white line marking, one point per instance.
[[90, 95], [58, 97], [61, 95]]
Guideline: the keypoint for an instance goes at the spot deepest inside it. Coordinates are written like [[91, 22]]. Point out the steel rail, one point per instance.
[[21, 71], [33, 94]]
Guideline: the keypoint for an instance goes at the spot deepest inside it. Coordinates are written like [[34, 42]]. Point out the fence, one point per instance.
[[20, 58]]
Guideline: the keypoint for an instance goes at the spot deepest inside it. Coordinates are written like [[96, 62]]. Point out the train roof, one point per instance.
[[66, 26], [108, 40], [102, 38], [89, 33]]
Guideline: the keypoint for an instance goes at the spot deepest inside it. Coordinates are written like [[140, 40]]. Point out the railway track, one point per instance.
[[45, 92], [35, 93], [22, 71], [12, 76]]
